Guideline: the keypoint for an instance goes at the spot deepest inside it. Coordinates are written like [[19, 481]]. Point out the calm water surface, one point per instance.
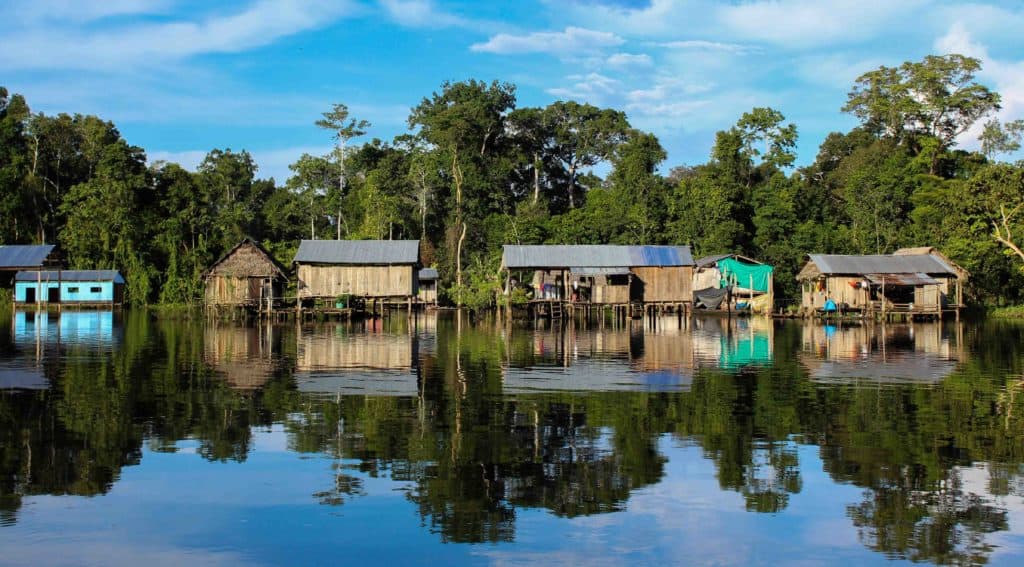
[[128, 440]]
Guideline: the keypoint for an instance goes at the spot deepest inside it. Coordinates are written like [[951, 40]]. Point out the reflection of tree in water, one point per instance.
[[944, 525], [74, 438]]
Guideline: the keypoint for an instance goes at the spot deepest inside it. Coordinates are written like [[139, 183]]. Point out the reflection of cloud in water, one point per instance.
[[368, 382], [918, 353]]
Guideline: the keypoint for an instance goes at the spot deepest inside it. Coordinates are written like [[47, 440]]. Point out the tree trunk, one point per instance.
[[536, 178], [572, 185], [458, 264]]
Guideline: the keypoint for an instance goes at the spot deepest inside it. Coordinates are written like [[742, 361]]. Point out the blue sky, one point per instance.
[[180, 77]]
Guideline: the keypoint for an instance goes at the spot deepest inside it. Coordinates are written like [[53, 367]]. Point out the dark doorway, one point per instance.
[[53, 295], [30, 295]]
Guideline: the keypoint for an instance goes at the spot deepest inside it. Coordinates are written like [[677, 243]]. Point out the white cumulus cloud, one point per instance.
[[571, 41]]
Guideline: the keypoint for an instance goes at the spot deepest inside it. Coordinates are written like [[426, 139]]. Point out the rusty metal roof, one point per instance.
[[594, 256], [358, 252]]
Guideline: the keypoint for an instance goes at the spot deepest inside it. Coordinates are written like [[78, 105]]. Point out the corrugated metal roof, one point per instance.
[[429, 274], [594, 256], [902, 279], [880, 264], [711, 260], [365, 252], [71, 276], [589, 271], [24, 256]]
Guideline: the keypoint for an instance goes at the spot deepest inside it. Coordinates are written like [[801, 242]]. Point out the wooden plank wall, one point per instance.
[[670, 284], [226, 290], [363, 281]]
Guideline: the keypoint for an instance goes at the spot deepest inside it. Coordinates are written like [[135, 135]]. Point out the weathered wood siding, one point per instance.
[[428, 291], [927, 298], [839, 290], [317, 280], [670, 284], [607, 294]]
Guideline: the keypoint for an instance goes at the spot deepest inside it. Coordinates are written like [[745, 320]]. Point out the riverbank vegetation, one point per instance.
[[476, 171]]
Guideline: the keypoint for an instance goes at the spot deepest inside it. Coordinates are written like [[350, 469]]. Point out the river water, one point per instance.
[[130, 440]]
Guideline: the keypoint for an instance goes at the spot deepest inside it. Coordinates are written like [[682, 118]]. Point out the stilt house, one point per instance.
[[246, 276], [603, 274], [69, 287], [372, 269], [910, 281]]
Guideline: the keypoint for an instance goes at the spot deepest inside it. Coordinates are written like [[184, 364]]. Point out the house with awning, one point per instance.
[[915, 281], [602, 274]]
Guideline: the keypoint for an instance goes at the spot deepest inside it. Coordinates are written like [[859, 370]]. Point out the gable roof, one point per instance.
[[881, 264], [594, 256], [70, 276], [24, 255], [358, 252], [248, 240]]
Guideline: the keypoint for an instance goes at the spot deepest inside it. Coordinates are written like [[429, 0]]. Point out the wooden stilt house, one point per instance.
[[603, 274], [371, 269], [247, 276], [911, 281]]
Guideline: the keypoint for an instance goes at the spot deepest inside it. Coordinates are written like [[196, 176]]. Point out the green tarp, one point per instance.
[[741, 274]]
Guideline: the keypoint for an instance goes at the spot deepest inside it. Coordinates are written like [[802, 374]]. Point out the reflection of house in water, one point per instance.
[[333, 358], [37, 333], [69, 328], [244, 356], [912, 353], [747, 342], [639, 358]]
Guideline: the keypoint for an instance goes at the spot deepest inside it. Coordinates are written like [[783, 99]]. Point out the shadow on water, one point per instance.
[[479, 422]]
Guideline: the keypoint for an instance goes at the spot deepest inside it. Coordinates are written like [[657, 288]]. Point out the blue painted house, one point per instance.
[[75, 287]]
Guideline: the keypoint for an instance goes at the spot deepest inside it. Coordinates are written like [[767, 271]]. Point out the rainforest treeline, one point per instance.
[[476, 171]]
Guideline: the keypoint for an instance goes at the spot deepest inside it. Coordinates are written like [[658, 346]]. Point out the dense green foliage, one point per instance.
[[476, 172]]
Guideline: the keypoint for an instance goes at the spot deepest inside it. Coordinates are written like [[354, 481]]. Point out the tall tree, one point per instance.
[[465, 122], [344, 128], [584, 136], [936, 97]]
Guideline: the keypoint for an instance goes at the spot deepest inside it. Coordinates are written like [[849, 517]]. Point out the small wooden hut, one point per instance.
[[247, 276], [372, 269], [604, 274], [750, 283], [428, 279], [907, 282], [16, 258]]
